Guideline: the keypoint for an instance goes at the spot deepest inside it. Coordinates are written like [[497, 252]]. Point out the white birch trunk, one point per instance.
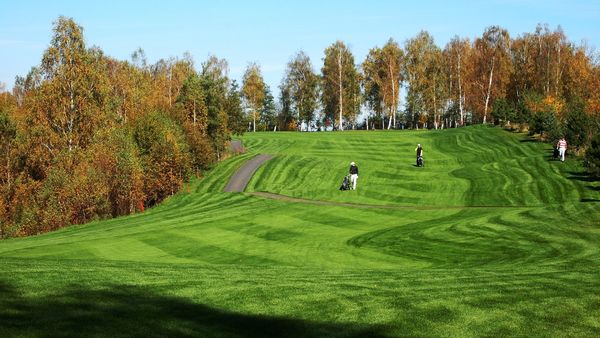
[[460, 98], [489, 91], [341, 101]]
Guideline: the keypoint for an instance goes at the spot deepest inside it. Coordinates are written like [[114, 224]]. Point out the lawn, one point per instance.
[[491, 238]]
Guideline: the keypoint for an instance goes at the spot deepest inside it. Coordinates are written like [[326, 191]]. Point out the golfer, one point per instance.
[[419, 151], [562, 148], [353, 174]]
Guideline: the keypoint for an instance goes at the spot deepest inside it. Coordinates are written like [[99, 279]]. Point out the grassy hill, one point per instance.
[[490, 238]]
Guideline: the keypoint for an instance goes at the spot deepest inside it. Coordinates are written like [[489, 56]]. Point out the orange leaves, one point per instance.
[[553, 104], [548, 104]]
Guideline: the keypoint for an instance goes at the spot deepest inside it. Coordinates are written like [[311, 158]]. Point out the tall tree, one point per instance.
[[286, 115], [455, 57], [8, 134], [253, 88], [340, 84], [491, 66], [372, 82], [437, 95], [268, 113], [191, 100], [235, 113], [70, 103], [391, 61], [424, 76], [303, 85], [168, 76], [215, 82]]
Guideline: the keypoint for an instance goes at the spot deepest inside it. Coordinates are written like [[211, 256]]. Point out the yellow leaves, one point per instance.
[[538, 104], [553, 104], [593, 106]]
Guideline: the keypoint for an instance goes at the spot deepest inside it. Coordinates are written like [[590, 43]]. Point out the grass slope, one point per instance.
[[490, 238]]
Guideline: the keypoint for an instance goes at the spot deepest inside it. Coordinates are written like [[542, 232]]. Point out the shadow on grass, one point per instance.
[[582, 176], [132, 311], [529, 140]]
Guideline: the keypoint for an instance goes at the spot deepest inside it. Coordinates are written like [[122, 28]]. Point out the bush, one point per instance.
[[547, 125], [164, 155], [577, 127], [115, 154], [201, 150], [503, 112], [592, 156]]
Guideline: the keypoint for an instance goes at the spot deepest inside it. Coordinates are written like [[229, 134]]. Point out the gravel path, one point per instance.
[[239, 180]]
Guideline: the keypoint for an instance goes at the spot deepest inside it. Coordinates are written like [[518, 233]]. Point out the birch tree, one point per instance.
[[491, 67], [392, 56], [253, 88], [455, 57], [303, 84], [372, 80], [422, 71], [340, 84]]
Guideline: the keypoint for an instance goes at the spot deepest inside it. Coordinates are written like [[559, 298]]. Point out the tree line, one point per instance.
[[84, 136], [538, 80]]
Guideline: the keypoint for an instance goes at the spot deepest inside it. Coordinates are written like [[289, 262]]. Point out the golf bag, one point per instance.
[[420, 162], [555, 153], [345, 183]]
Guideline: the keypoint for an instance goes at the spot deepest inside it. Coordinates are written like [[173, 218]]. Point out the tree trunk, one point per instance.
[[435, 113], [194, 113], [341, 101], [170, 77], [393, 108], [489, 91], [557, 71], [254, 121], [460, 98], [8, 178]]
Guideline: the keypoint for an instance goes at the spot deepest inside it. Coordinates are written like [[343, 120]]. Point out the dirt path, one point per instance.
[[239, 180]]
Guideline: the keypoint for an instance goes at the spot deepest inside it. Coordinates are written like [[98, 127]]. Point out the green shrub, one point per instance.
[[592, 156]]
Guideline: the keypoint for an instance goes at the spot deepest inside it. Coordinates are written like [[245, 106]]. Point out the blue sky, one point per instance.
[[270, 32]]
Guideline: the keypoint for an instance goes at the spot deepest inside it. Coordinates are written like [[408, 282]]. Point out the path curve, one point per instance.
[[236, 147], [285, 198], [239, 180]]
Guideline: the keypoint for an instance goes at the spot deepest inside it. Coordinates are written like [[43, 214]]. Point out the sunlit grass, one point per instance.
[[490, 238]]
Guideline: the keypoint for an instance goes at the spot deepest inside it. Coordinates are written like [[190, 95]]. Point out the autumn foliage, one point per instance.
[[85, 136]]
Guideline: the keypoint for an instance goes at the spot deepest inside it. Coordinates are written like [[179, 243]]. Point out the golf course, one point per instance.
[[492, 237]]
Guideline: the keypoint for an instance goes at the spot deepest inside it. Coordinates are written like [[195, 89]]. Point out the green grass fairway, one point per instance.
[[491, 238]]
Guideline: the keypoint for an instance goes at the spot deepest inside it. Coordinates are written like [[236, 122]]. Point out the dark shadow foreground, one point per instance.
[[126, 311]]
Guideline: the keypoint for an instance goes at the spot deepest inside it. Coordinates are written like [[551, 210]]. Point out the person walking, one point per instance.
[[419, 151], [562, 148], [353, 174]]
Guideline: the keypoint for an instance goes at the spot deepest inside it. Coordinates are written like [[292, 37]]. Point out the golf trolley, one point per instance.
[[345, 183], [420, 162]]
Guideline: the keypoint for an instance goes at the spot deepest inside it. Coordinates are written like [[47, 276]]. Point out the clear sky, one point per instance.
[[270, 32]]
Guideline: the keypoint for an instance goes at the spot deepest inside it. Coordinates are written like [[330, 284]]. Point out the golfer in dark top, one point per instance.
[[419, 151], [353, 174]]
